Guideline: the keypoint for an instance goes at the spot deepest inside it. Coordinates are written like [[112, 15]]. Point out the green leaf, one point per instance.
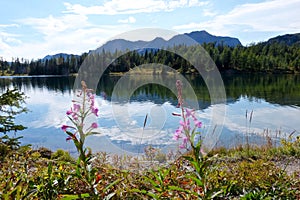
[[196, 165], [196, 180], [78, 174], [69, 133], [50, 165], [151, 181], [189, 158], [154, 196], [150, 194], [112, 184], [176, 188], [92, 133]]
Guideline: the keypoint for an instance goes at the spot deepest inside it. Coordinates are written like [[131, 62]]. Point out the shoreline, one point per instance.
[[151, 72]]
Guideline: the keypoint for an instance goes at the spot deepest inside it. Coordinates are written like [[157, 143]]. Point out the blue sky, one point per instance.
[[33, 28]]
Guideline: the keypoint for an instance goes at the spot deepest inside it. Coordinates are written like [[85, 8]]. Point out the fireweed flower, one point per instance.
[[178, 133], [184, 131], [64, 128], [184, 143], [81, 113], [190, 138], [73, 137], [94, 111], [82, 107], [76, 108], [197, 123], [189, 112], [94, 125], [69, 112]]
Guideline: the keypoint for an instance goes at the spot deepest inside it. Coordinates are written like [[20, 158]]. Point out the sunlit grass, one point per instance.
[[239, 173]]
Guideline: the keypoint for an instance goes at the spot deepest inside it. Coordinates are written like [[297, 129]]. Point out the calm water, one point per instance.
[[273, 99]]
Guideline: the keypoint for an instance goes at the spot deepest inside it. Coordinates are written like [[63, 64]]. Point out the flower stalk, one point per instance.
[[77, 132], [197, 159], [184, 131]]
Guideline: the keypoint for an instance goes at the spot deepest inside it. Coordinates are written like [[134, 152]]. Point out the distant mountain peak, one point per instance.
[[205, 37], [288, 39], [188, 39], [197, 32], [58, 55]]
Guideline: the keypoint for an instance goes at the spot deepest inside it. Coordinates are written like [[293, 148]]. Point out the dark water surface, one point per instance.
[[274, 101]]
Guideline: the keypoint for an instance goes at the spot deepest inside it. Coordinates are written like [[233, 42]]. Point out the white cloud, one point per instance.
[[146, 34], [8, 41], [8, 37], [265, 116], [271, 16], [129, 20], [75, 42], [114, 7], [70, 33], [209, 13], [8, 25], [52, 25]]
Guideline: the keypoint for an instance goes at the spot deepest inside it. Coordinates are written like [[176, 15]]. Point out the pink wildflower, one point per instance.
[[74, 116], [198, 123], [73, 137], [92, 99], [76, 107], [182, 146], [189, 112], [185, 125], [176, 136], [94, 125], [69, 112], [178, 133], [68, 138], [64, 127], [184, 140], [94, 111]]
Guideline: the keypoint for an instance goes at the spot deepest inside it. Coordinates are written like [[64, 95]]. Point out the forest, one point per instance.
[[274, 57]]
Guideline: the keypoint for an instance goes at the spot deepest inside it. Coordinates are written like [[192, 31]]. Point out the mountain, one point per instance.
[[120, 45], [288, 39], [204, 37], [59, 55], [196, 37]]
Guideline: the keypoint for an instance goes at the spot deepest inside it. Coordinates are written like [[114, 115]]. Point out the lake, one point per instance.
[[273, 101]]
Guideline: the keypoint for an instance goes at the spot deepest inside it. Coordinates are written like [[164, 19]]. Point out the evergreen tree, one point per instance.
[[11, 104]]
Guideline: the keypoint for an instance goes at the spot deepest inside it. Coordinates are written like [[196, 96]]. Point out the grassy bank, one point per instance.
[[240, 173]]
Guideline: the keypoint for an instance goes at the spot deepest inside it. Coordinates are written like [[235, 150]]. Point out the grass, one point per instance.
[[72, 197], [239, 173]]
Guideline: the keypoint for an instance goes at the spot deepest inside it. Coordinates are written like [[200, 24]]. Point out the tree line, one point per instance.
[[272, 57]]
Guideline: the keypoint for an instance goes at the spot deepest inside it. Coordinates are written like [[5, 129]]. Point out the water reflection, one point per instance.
[[274, 99]]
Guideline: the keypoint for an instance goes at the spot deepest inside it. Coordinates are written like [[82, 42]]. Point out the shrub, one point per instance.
[[62, 155]]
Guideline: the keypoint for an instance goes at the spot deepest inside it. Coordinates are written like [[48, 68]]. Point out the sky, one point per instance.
[[32, 29]]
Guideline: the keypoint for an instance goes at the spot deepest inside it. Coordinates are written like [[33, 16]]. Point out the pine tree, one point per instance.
[[11, 104]]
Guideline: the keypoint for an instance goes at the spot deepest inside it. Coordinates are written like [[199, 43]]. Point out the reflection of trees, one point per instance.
[[58, 84], [279, 89]]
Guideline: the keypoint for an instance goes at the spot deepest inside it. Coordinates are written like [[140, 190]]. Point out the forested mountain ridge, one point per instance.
[[288, 39], [277, 55], [204, 37], [60, 55], [189, 39]]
